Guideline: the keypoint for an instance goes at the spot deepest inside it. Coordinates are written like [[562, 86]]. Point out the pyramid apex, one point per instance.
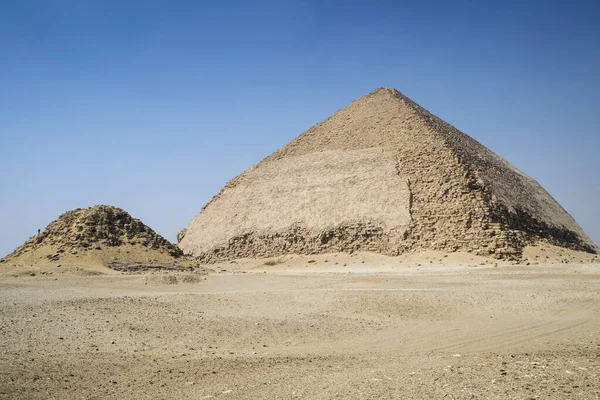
[[391, 93], [385, 90]]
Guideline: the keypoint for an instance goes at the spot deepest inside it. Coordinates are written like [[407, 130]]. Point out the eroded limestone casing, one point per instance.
[[384, 175]]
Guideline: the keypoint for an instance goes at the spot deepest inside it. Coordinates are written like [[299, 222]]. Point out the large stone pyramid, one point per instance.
[[382, 175]]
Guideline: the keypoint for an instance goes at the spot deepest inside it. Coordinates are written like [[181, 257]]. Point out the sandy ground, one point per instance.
[[315, 330]]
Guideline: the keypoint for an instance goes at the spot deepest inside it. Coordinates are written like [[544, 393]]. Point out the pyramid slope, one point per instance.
[[518, 200], [382, 152], [98, 236]]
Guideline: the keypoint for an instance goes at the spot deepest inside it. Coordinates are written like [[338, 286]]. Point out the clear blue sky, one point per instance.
[[153, 106]]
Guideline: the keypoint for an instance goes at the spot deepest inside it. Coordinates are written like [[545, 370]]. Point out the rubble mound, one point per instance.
[[381, 175], [106, 234]]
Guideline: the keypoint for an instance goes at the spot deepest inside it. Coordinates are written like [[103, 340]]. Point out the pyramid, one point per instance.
[[98, 236], [381, 175]]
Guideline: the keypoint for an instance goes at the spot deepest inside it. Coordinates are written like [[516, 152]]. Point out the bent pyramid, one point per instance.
[[381, 175], [97, 236]]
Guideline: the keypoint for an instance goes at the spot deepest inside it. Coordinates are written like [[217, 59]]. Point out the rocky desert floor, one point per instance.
[[311, 330]]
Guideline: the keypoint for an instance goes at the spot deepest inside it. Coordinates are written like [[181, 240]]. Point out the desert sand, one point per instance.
[[381, 254], [333, 326]]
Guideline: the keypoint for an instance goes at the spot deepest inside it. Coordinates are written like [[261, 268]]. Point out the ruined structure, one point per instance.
[[100, 235], [382, 175]]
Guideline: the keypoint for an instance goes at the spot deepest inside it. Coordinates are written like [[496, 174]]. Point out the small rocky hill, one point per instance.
[[98, 236]]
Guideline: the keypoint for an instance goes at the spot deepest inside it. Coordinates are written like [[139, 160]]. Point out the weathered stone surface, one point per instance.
[[383, 175], [307, 203], [95, 228], [181, 235]]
